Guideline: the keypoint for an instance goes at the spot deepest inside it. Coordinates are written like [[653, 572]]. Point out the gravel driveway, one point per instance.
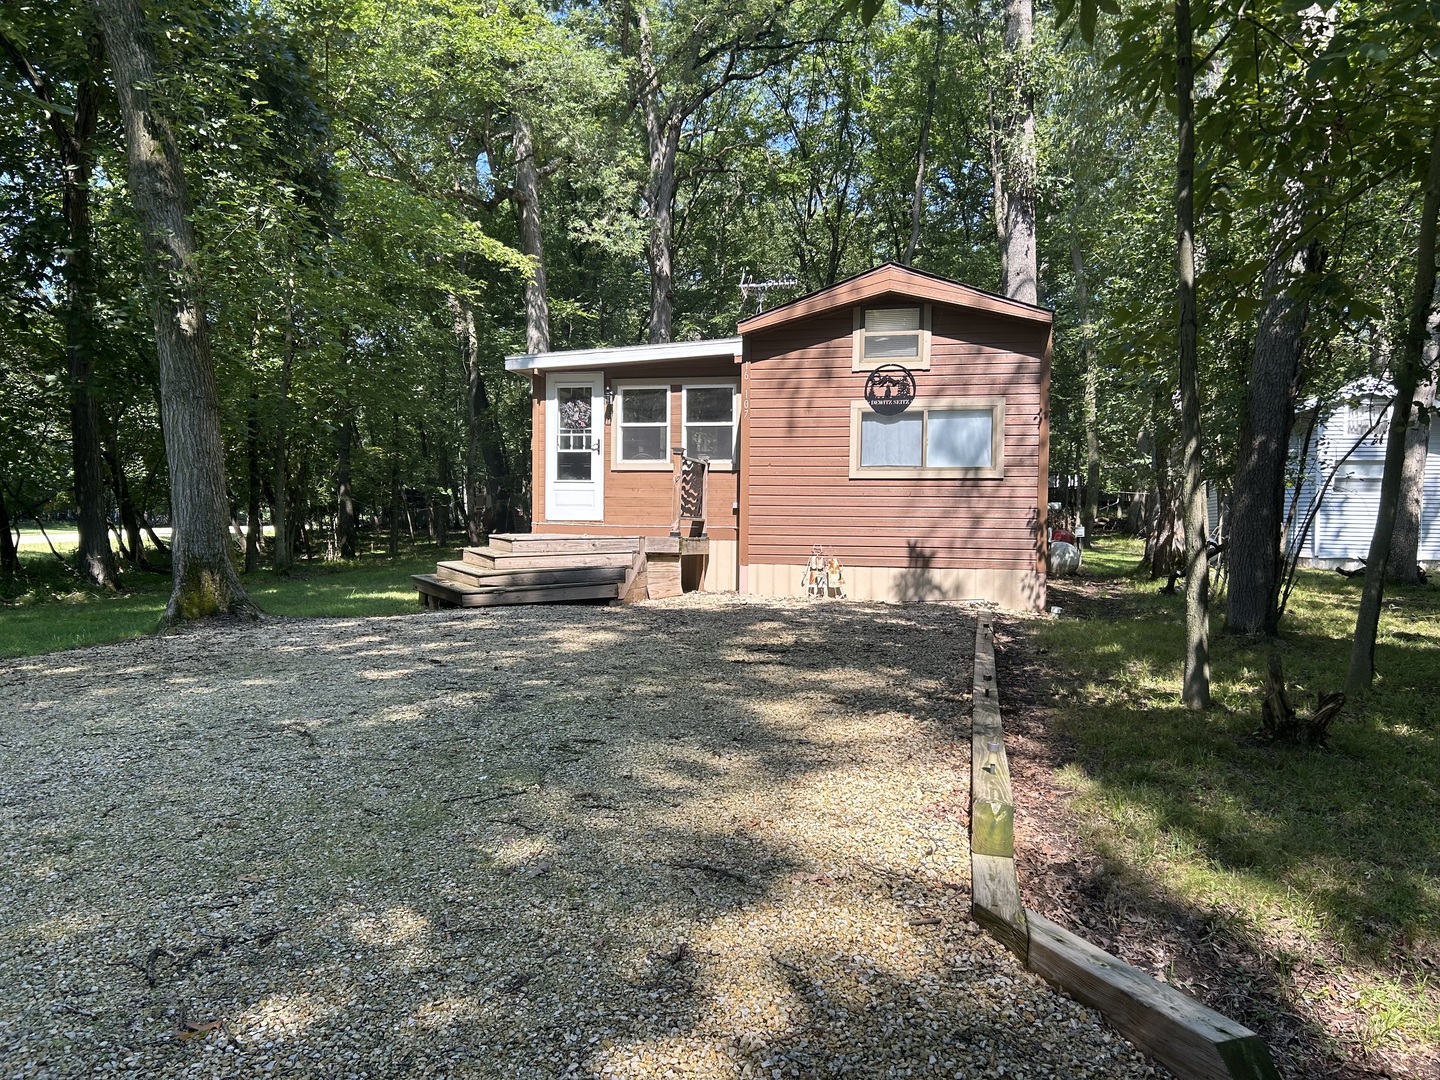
[[707, 837]]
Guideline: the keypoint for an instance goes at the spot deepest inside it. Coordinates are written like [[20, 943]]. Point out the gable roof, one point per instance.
[[894, 279]]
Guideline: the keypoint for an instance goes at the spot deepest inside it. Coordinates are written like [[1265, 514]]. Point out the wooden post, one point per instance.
[[1192, 1041], [994, 889]]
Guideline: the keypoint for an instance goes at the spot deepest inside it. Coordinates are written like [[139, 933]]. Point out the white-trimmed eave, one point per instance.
[[575, 359]]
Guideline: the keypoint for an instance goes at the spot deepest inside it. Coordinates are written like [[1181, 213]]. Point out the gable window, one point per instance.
[[941, 437], [642, 419], [710, 419], [892, 335]]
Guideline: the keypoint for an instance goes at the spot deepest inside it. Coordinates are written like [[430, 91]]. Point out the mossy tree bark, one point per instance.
[[204, 581]]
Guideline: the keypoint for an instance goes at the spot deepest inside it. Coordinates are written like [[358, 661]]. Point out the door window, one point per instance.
[[575, 446]]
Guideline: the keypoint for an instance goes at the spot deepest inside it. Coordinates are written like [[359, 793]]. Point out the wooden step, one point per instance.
[[453, 594], [468, 574], [560, 544], [491, 558]]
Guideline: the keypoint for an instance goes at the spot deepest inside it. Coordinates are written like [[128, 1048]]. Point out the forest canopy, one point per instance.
[[388, 196]]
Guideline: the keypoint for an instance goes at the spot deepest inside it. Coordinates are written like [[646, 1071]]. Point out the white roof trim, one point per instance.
[[572, 359]]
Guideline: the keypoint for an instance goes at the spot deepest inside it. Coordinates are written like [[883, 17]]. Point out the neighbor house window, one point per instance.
[[954, 437], [642, 423], [892, 335], [710, 417], [1357, 477]]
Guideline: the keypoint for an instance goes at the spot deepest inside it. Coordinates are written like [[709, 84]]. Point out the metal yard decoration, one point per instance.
[[890, 389]]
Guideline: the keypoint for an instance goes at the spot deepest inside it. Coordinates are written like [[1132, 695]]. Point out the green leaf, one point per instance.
[[40, 103]]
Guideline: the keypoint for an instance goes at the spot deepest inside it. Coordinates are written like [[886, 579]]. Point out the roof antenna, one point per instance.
[[760, 288]]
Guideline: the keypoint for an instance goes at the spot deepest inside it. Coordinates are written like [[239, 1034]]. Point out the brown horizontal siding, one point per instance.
[[800, 492], [786, 497]]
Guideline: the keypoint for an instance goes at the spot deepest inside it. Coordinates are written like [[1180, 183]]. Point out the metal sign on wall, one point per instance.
[[890, 389]]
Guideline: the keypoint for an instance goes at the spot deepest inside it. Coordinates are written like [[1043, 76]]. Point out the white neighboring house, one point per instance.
[[1344, 520]]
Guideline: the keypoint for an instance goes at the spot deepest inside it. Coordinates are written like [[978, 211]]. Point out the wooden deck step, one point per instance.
[[453, 594], [561, 544], [492, 558], [469, 574]]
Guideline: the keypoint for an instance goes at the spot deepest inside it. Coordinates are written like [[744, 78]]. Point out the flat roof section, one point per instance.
[[612, 356]]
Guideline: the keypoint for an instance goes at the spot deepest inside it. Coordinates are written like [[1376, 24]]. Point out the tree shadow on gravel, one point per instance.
[[528, 843]]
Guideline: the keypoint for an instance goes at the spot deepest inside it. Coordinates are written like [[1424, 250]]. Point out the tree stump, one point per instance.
[[1279, 720]]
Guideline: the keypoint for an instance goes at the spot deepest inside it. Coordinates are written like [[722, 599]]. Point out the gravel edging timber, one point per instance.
[[711, 836]]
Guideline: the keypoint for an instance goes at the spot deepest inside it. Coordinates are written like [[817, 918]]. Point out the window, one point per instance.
[[892, 335], [710, 417], [942, 437], [1360, 477], [642, 423]]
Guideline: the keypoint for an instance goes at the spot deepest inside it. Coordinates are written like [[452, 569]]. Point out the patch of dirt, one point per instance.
[[1204, 954]]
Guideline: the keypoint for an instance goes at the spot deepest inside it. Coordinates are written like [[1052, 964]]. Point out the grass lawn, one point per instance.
[[1327, 861], [54, 612]]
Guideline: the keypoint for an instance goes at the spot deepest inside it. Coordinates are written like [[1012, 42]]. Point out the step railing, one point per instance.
[[691, 492]]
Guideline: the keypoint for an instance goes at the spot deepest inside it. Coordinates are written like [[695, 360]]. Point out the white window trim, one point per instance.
[[617, 462], [996, 470], [733, 385], [916, 363]]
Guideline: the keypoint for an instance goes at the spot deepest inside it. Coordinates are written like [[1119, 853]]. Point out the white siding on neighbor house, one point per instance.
[[1345, 521]]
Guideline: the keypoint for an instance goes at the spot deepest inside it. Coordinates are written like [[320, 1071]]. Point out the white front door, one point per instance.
[[574, 456]]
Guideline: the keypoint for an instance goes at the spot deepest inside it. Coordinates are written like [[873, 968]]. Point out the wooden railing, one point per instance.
[[691, 491]]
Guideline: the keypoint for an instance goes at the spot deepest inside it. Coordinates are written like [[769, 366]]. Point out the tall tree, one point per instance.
[[1404, 564], [681, 57], [1013, 164], [532, 244], [1195, 690], [73, 130], [204, 581], [1409, 371]]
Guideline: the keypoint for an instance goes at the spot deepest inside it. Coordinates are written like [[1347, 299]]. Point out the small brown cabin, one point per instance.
[[898, 420]]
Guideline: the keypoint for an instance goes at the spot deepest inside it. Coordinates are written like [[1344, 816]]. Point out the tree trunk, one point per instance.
[[1256, 536], [917, 199], [1015, 183], [660, 198], [487, 474], [532, 245], [1404, 568], [204, 581], [9, 554], [124, 503], [1195, 692], [94, 559], [283, 552], [254, 525], [1407, 378], [662, 135], [395, 505], [1091, 403], [344, 496]]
